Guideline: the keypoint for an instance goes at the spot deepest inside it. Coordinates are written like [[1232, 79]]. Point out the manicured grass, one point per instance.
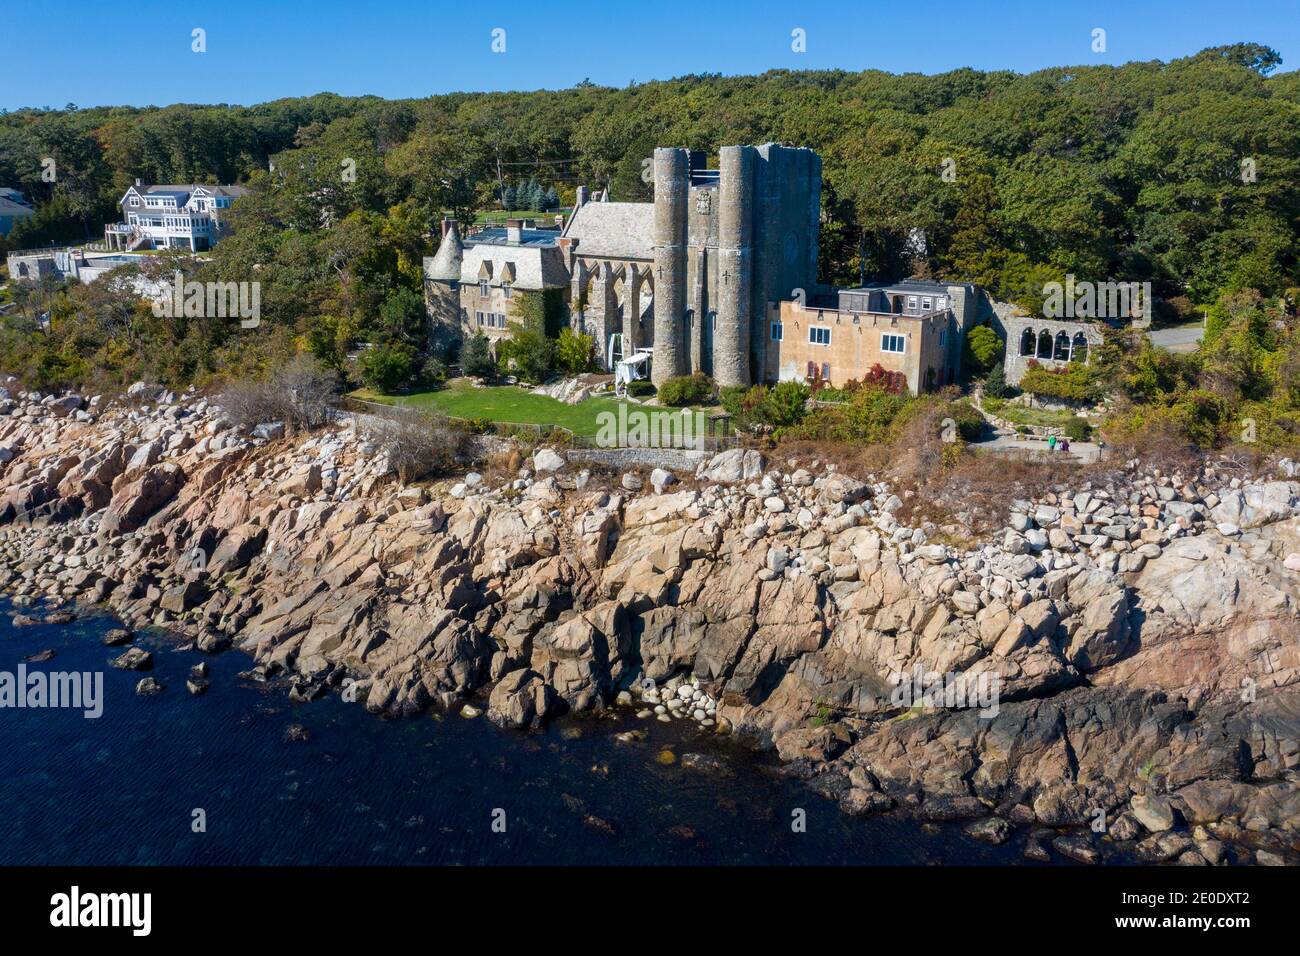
[[509, 403]]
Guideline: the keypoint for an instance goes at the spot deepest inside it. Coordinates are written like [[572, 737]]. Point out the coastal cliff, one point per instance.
[[1138, 630]]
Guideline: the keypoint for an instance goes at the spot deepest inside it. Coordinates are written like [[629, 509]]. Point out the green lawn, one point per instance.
[[508, 403], [1023, 415]]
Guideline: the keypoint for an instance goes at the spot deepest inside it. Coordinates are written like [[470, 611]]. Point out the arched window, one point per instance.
[[1027, 342], [1044, 344], [1061, 353], [1080, 353]]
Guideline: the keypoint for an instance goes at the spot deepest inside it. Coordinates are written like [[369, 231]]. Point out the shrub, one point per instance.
[[995, 383], [574, 352], [297, 393], [1077, 429], [418, 443], [982, 351], [434, 371], [388, 366], [785, 404], [640, 388], [476, 357], [686, 390], [529, 353], [1074, 383]]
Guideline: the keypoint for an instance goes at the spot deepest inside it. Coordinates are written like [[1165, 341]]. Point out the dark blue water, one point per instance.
[[122, 789]]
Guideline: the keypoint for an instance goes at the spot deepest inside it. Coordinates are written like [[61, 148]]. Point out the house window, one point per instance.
[[892, 343], [135, 201], [478, 317], [911, 302], [776, 331], [943, 337], [483, 287], [826, 371], [925, 305], [818, 335], [505, 291]]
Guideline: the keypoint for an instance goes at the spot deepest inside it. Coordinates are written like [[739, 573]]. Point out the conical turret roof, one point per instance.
[[445, 265]]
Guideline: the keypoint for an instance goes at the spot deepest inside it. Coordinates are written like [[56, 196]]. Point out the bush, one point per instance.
[[640, 388], [476, 358], [388, 366], [982, 351], [433, 372], [529, 353], [297, 393], [1074, 383], [574, 352], [419, 443], [686, 390], [995, 383], [1077, 429], [786, 403]]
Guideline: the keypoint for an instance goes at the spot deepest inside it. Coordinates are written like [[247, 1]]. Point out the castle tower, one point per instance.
[[442, 287], [731, 352], [672, 187]]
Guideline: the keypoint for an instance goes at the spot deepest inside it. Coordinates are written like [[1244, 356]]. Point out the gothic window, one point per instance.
[[1080, 353], [1044, 344], [1061, 353], [1027, 342]]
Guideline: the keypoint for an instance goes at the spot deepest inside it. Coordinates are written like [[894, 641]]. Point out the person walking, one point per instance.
[[1051, 443]]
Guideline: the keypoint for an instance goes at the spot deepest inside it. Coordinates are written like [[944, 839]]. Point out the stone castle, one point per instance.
[[718, 275]]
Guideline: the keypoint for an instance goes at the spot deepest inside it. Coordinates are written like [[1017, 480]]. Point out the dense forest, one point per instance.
[[1185, 174]]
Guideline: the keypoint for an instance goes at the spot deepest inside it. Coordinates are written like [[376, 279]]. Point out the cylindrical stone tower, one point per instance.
[[672, 188], [735, 264]]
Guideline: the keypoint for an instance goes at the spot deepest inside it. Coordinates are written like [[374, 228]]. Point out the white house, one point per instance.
[[172, 217]]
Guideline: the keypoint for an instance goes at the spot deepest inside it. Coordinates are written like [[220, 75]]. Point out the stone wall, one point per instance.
[[1050, 342]]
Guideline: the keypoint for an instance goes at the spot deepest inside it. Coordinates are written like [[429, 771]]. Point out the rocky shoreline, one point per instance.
[[1141, 630]]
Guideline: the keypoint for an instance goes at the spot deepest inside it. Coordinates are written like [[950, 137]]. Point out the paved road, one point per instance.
[[1178, 338]]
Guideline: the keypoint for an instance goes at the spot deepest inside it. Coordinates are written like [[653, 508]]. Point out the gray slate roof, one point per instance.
[[614, 230], [444, 266]]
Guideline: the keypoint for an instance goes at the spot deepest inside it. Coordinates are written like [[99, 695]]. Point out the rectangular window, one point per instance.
[[483, 287], [776, 331], [478, 317], [911, 302], [818, 335], [826, 371], [892, 343], [505, 292], [925, 305], [943, 337]]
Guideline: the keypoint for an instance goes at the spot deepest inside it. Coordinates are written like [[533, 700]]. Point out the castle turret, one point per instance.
[[441, 287], [735, 267], [672, 188]]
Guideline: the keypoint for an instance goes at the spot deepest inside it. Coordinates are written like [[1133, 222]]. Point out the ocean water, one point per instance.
[[124, 788]]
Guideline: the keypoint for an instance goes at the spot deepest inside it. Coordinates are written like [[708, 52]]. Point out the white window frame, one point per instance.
[[900, 339], [911, 302], [483, 288], [926, 303], [813, 335]]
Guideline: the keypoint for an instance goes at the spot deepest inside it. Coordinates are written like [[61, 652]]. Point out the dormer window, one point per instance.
[[925, 305], [135, 201], [483, 287], [505, 290], [911, 302]]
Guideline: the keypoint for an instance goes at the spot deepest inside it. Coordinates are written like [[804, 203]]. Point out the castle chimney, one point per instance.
[[583, 197], [514, 230], [447, 223]]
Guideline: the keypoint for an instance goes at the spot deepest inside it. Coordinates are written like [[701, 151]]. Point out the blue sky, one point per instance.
[[94, 53]]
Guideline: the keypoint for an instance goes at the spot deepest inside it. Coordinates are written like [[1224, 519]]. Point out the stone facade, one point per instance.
[[1049, 342]]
